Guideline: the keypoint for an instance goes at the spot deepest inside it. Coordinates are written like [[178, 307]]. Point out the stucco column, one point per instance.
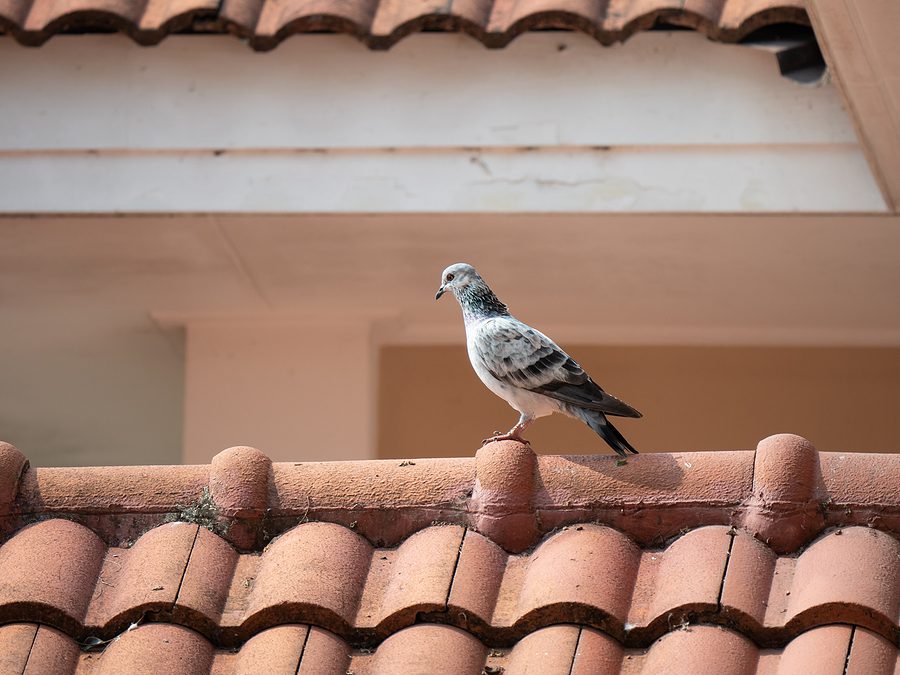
[[298, 391]]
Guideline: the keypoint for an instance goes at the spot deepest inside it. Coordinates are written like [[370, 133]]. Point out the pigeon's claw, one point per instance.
[[505, 437]]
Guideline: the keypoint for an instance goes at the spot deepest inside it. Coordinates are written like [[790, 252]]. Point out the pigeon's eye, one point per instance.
[[449, 277]]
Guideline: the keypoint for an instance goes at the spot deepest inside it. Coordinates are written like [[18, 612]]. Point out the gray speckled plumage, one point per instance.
[[525, 367]]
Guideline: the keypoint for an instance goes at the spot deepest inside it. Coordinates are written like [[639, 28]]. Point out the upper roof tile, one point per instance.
[[381, 23]]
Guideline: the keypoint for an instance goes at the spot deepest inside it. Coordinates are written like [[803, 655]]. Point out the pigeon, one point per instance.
[[526, 368]]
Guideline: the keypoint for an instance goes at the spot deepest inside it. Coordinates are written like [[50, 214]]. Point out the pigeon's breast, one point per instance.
[[528, 402]]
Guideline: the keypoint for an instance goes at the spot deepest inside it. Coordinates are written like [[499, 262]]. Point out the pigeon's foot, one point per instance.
[[506, 437]]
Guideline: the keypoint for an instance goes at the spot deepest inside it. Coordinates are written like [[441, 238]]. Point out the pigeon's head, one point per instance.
[[457, 277]]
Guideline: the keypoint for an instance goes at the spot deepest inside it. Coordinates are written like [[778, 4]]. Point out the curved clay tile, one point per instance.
[[47, 15], [852, 572], [419, 648], [397, 18], [596, 652], [566, 14], [413, 578], [571, 649], [52, 653], [49, 571], [146, 579], [685, 577], [13, 13], [59, 573], [741, 17], [324, 652], [276, 650], [805, 654], [277, 20], [15, 645], [241, 16], [316, 568], [211, 584], [584, 565], [547, 651], [477, 581], [571, 15], [381, 23], [171, 649], [748, 582], [702, 650], [627, 17], [161, 17]]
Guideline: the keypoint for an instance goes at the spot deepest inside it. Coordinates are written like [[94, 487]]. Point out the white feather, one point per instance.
[[528, 403]]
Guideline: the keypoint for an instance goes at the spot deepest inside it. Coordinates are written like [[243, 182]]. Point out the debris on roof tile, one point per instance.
[[726, 562], [382, 23]]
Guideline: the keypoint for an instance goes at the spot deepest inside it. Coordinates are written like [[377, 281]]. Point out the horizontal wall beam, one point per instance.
[[668, 122], [737, 179]]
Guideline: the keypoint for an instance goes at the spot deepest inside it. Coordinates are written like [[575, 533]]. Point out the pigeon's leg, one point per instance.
[[514, 434]]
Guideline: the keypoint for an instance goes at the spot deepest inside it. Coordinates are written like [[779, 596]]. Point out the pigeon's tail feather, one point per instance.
[[604, 429]]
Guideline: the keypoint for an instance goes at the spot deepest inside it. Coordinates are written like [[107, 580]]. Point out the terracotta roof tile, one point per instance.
[[276, 650], [15, 646], [381, 23], [585, 15], [52, 652], [157, 648], [325, 574], [397, 18], [596, 652], [544, 651], [56, 588], [870, 653], [173, 15], [825, 648], [418, 649], [48, 15], [324, 652], [724, 562], [697, 650], [148, 576], [211, 583], [703, 650]]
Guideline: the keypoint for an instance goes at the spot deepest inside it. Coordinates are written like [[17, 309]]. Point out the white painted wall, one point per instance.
[[666, 122]]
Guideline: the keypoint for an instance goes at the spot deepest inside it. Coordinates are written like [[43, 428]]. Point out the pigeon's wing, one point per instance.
[[523, 357]]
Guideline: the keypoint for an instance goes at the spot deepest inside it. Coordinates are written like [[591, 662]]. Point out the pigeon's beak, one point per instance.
[[437, 296]]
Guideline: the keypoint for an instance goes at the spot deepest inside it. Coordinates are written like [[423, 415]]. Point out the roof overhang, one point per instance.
[[382, 23]]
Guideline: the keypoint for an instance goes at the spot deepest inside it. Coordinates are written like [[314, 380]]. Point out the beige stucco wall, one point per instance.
[[693, 398]]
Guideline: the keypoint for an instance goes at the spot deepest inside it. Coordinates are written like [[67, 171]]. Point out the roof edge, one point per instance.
[[381, 26], [785, 493]]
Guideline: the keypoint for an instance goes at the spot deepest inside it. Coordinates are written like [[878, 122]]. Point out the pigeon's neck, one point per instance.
[[479, 302]]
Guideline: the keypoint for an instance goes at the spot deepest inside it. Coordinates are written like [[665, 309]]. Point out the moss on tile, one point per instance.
[[203, 512]]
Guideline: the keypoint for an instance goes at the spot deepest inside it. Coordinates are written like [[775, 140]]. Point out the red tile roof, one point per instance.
[[381, 23], [783, 559], [555, 650]]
